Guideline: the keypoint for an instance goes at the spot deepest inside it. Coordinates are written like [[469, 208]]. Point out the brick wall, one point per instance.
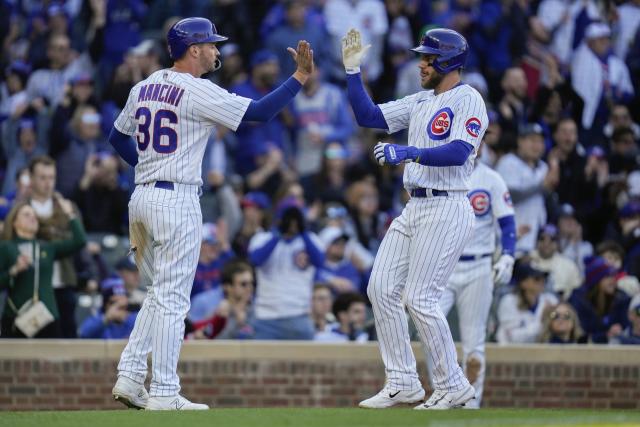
[[79, 375]]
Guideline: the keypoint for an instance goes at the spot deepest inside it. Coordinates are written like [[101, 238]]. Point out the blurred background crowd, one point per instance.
[[561, 80]]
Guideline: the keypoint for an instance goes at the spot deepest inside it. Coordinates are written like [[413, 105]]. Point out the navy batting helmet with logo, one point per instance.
[[189, 31], [449, 46]]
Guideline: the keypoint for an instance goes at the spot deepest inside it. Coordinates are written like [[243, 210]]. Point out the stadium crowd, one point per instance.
[[295, 209]]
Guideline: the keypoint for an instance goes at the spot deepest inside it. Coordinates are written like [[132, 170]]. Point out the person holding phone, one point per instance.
[[26, 265]]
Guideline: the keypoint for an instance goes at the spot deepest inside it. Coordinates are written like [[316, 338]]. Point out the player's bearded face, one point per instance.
[[208, 54], [429, 77]]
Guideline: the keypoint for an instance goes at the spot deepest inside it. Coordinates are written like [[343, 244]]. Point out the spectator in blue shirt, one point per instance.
[[115, 321], [296, 27], [338, 271], [207, 293], [254, 137]]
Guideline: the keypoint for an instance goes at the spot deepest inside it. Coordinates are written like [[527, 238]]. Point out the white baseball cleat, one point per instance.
[[130, 393], [174, 403], [441, 399], [387, 398]]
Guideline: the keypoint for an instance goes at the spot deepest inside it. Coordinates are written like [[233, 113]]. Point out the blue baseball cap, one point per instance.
[[262, 56], [257, 199]]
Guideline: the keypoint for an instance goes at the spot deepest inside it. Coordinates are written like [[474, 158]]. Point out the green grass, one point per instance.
[[284, 417]]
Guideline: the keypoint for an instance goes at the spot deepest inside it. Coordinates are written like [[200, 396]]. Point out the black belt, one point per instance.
[[165, 185], [473, 257], [427, 192]]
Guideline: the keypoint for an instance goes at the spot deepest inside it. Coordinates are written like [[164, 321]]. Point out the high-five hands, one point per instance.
[[352, 51]]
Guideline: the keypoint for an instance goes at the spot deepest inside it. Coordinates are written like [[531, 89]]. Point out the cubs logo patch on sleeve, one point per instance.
[[473, 126], [439, 126], [507, 199], [480, 202]]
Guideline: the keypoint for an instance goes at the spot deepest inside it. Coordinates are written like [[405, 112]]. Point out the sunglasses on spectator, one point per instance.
[[556, 315]]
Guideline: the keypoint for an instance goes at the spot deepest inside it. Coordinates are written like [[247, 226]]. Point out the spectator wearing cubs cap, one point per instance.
[[115, 321], [529, 179], [564, 275], [520, 312], [601, 307], [338, 271], [252, 137]]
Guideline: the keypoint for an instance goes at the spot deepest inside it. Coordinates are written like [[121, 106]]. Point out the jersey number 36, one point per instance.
[[144, 118]]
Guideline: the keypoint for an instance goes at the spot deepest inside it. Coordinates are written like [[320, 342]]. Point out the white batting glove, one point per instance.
[[503, 269], [378, 153], [352, 51]]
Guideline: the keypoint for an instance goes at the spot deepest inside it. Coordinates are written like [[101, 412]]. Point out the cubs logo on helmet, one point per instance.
[[480, 202], [473, 126], [439, 126]]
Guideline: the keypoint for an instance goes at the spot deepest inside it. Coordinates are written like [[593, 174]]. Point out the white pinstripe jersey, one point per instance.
[[172, 115], [490, 200], [434, 120]]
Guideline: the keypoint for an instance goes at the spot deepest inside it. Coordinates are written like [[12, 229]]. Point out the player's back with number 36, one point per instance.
[[171, 115]]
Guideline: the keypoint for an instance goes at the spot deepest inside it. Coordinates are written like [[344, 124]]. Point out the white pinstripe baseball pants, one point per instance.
[[412, 266], [471, 290], [166, 230]]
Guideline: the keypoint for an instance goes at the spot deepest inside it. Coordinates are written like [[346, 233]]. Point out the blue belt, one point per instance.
[[425, 192], [473, 257], [165, 185]]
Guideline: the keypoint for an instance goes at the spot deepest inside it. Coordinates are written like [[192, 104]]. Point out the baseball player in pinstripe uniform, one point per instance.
[[470, 286], [446, 123], [171, 114]]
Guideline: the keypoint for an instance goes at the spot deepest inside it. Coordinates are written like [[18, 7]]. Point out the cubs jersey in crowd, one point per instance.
[[490, 200], [285, 280], [172, 115], [434, 120]]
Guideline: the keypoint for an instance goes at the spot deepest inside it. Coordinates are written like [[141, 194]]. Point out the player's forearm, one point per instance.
[[508, 235], [266, 108], [367, 113], [123, 145], [454, 153]]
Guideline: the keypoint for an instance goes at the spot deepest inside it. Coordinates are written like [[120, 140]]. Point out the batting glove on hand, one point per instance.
[[352, 51], [393, 154], [503, 269]]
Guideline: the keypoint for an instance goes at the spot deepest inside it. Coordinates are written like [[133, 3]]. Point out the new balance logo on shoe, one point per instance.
[[392, 395], [178, 404]]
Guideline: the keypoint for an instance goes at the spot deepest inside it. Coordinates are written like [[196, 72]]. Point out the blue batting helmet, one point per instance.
[[450, 47], [189, 31]]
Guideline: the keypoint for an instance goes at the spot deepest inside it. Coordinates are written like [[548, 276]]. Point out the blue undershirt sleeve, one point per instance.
[[315, 254], [367, 113], [454, 153], [508, 227], [123, 145], [266, 108], [259, 255]]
